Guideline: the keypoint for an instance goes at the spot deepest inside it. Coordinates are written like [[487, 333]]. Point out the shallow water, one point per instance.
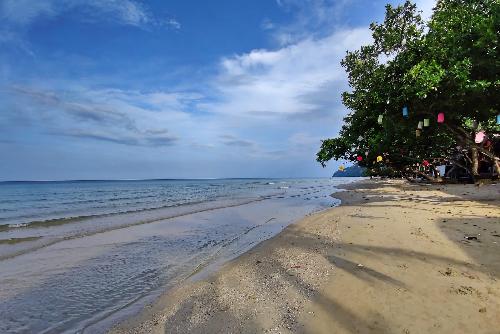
[[51, 203], [95, 271]]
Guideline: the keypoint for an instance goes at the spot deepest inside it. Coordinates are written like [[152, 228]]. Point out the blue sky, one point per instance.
[[97, 89]]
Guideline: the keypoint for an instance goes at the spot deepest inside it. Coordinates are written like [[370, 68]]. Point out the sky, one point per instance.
[[134, 89]]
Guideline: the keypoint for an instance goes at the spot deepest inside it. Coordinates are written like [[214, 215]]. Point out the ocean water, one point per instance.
[[25, 203], [79, 256]]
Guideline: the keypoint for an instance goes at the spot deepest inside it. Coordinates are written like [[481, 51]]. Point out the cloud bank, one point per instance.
[[259, 113]]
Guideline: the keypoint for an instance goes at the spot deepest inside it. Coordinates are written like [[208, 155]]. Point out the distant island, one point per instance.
[[352, 171]]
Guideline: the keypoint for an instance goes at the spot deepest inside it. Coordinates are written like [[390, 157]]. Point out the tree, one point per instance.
[[449, 65]]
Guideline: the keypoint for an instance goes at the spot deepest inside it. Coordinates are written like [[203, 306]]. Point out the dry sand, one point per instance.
[[393, 258]]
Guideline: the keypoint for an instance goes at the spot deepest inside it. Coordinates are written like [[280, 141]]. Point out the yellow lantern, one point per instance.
[[379, 158]]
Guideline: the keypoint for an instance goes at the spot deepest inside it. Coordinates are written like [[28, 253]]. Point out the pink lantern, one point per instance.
[[480, 137], [425, 163], [441, 117], [359, 158]]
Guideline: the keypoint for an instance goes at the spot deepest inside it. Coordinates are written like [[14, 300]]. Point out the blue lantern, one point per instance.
[[405, 111]]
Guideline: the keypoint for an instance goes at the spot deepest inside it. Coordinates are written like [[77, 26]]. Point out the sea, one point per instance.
[[80, 256]]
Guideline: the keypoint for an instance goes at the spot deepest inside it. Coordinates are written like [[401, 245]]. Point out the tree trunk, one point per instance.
[[475, 162]]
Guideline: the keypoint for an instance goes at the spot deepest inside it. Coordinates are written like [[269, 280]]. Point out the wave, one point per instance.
[[12, 241], [72, 219], [50, 241]]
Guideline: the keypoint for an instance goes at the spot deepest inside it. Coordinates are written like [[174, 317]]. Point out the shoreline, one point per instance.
[[51, 231], [391, 258]]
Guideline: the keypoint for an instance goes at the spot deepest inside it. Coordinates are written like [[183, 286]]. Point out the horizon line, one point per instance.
[[163, 179]]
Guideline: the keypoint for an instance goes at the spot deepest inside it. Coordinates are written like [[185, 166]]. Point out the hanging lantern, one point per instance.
[[475, 124], [417, 133], [379, 158], [341, 168], [441, 117], [426, 122], [405, 112], [359, 158], [479, 137], [498, 119], [425, 163], [420, 125], [360, 138], [366, 153], [380, 119]]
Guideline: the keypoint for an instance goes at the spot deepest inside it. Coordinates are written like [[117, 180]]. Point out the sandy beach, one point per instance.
[[393, 258]]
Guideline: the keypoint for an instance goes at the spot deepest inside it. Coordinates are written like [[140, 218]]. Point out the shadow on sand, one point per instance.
[[454, 229]]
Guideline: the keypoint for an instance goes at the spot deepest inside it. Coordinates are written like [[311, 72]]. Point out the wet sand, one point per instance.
[[394, 258]]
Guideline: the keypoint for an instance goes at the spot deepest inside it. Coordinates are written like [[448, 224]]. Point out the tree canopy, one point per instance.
[[413, 75]]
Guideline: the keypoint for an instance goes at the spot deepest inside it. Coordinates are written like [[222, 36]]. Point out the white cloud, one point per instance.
[[287, 81], [173, 23], [302, 78], [267, 24], [311, 18], [112, 115], [125, 12], [231, 140], [25, 11], [303, 139]]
